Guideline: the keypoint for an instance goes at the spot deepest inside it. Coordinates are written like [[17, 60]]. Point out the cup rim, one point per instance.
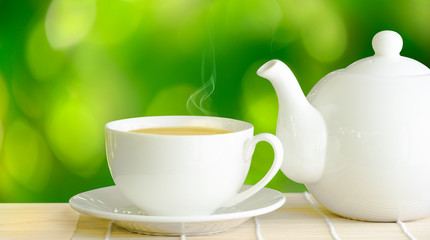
[[127, 124]]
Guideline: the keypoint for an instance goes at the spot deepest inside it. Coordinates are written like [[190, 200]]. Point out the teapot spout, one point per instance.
[[301, 127]]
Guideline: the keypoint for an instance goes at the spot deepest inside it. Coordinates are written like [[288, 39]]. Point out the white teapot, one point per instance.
[[360, 141]]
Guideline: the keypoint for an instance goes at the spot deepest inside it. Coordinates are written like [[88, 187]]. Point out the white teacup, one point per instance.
[[185, 175]]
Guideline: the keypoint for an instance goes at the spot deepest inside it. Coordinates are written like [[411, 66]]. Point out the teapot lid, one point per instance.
[[387, 60]]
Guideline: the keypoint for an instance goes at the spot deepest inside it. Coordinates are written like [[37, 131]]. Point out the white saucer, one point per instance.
[[109, 203]]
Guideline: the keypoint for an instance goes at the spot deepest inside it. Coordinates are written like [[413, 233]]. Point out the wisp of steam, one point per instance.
[[199, 100]]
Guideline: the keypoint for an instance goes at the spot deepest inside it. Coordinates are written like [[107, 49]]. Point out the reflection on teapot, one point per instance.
[[360, 141]]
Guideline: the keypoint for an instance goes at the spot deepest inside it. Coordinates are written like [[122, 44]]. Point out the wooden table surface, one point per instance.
[[297, 219]]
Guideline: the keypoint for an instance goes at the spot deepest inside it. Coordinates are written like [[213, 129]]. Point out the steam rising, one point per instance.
[[200, 99]]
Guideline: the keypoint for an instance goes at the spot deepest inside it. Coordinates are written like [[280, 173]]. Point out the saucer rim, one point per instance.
[[176, 219]]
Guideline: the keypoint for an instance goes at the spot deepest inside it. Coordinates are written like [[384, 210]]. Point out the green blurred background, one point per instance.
[[67, 67]]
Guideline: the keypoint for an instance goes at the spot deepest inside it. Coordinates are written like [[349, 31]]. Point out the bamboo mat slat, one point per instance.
[[295, 220]]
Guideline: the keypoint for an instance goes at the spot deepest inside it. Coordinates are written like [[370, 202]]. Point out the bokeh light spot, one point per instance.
[[262, 112], [417, 14], [170, 101], [325, 40], [177, 12], [26, 156], [68, 22], [317, 24], [256, 20], [5, 184], [259, 101], [116, 21], [28, 96], [43, 61], [1, 137], [186, 28], [287, 30], [105, 87], [4, 98], [193, 33], [75, 136]]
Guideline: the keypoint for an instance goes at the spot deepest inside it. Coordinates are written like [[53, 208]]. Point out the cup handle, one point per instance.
[[277, 162]]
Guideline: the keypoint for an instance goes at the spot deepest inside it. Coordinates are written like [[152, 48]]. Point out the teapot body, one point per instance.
[[377, 165], [360, 140]]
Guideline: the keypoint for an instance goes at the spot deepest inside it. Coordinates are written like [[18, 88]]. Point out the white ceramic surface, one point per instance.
[[360, 141], [185, 174], [109, 203]]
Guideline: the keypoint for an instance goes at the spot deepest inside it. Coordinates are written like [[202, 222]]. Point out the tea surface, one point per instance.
[[182, 131]]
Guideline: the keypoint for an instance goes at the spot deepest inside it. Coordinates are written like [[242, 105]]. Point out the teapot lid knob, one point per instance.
[[387, 43], [387, 60]]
